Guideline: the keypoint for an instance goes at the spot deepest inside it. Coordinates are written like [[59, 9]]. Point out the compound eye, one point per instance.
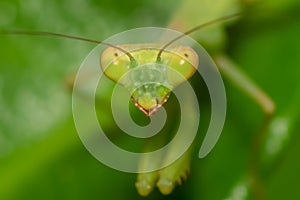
[[114, 63]]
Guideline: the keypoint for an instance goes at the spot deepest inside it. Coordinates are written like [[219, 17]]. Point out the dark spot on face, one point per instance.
[[116, 54], [186, 55]]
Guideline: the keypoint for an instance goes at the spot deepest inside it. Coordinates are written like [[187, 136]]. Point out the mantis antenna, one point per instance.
[[214, 21], [43, 33], [131, 58]]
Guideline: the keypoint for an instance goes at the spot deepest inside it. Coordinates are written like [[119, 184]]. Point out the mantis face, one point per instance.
[[149, 80]]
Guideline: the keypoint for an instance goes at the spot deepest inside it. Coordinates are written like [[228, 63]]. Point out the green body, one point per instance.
[[150, 82]]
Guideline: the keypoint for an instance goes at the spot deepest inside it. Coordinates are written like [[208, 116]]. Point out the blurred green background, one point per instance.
[[41, 156]]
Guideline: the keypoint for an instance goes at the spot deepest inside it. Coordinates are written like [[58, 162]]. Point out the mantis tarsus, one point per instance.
[[247, 86]]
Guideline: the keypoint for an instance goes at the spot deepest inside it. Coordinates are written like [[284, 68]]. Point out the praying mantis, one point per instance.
[[234, 75]]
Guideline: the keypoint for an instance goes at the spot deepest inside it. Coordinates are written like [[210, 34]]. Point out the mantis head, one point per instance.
[[148, 79]]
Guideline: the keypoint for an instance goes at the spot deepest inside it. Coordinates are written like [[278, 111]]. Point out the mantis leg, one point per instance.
[[146, 181], [244, 83], [168, 177], [165, 179], [238, 78], [229, 69], [175, 173]]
